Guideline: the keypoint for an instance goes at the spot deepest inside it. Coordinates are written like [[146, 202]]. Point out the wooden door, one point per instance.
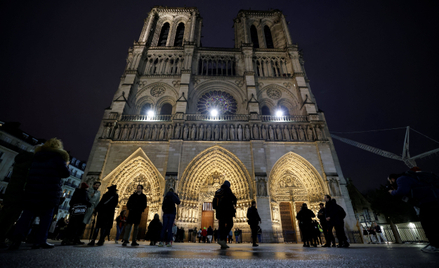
[[286, 218], [207, 218]]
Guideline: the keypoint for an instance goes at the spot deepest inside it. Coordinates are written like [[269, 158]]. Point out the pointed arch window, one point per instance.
[[268, 38], [164, 35], [265, 110], [254, 36], [179, 35], [145, 108], [166, 109]]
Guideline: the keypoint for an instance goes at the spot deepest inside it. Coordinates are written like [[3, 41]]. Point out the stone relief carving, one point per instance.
[[261, 184], [157, 91], [274, 93]]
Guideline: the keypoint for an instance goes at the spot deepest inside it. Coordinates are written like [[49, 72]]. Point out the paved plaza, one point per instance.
[[209, 255]]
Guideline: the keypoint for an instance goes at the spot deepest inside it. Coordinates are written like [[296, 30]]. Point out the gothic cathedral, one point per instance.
[[189, 117]]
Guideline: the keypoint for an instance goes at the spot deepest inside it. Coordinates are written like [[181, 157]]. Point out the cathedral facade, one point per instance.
[[189, 117]]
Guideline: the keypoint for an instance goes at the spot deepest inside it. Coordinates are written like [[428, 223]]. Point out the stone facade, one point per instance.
[[160, 130]]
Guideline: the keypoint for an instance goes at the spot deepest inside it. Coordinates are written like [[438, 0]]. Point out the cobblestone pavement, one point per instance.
[[208, 255]]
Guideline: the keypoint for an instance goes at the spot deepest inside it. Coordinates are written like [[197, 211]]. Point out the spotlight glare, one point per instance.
[[214, 112], [279, 113], [150, 113]]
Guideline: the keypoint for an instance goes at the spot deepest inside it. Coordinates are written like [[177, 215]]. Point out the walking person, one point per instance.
[[334, 216], [209, 234], [94, 195], [42, 191], [329, 237], [304, 216], [154, 230], [169, 211], [224, 202], [14, 194], [78, 206], [253, 220], [105, 211], [136, 205], [120, 224], [378, 233]]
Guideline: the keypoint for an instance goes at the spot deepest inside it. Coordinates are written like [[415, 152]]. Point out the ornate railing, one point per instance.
[[218, 118], [207, 117], [131, 118], [285, 118]]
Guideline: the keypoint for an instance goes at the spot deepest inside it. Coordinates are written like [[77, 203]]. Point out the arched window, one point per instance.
[[145, 108], [166, 109], [179, 35], [254, 36], [163, 35], [265, 110], [268, 38], [284, 110]]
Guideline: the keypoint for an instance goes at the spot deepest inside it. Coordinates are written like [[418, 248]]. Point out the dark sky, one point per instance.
[[372, 65]]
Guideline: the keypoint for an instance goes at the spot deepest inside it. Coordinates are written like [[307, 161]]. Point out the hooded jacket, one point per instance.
[[15, 190]]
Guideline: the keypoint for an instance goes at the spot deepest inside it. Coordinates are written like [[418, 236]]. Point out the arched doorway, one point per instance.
[[292, 182], [202, 177]]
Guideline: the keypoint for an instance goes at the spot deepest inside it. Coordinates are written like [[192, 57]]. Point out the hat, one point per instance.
[[112, 188], [171, 189], [204, 228], [83, 185], [227, 183]]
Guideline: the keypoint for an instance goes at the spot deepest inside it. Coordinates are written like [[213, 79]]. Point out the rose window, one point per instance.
[[221, 101]]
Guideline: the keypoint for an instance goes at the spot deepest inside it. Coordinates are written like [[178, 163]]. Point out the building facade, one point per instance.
[[190, 117]]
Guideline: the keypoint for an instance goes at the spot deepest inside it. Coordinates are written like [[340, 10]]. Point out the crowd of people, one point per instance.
[[34, 194]]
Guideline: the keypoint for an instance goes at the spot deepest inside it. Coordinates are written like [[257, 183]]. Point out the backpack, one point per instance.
[[341, 212], [168, 204], [216, 202], [427, 178]]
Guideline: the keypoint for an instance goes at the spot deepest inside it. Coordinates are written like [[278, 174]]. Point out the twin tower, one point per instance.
[[189, 117]]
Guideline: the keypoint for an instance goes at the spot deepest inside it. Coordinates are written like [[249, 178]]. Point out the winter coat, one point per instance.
[[209, 231], [204, 232], [94, 200], [43, 188], [420, 192], [321, 215], [331, 210], [154, 230], [105, 210], [226, 208], [15, 190], [79, 197], [136, 205], [305, 216], [253, 216], [175, 199]]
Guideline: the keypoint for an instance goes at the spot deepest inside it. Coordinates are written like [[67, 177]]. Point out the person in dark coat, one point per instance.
[[154, 230], [209, 234], [329, 237], [74, 229], [105, 210], [225, 212], [304, 216], [335, 221], [253, 221], [42, 191], [136, 205], [13, 197], [169, 212]]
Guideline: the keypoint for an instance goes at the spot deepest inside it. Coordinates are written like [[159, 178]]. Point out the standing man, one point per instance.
[[224, 203], [253, 221], [169, 212], [136, 205], [105, 210], [329, 237], [93, 195], [334, 216]]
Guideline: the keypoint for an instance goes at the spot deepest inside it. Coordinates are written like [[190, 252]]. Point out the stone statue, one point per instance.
[[125, 133], [310, 134], [239, 133], [264, 132], [194, 132], [270, 133], [232, 133], [255, 132], [224, 132], [208, 133], [139, 133], [177, 131], [147, 133], [154, 133], [201, 133], [216, 132], [170, 132], [162, 133], [106, 132], [117, 132], [185, 132], [319, 133], [132, 133], [293, 133], [301, 133], [247, 133], [261, 188], [279, 133], [286, 133]]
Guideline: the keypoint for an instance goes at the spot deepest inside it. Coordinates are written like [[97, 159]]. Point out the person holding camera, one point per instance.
[[426, 197]]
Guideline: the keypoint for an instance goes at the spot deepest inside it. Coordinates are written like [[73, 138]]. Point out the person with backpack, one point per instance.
[[136, 205], [169, 212], [421, 188], [224, 202], [335, 215], [304, 216], [253, 221]]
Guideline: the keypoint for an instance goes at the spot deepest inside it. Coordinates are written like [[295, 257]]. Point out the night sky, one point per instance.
[[371, 64]]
